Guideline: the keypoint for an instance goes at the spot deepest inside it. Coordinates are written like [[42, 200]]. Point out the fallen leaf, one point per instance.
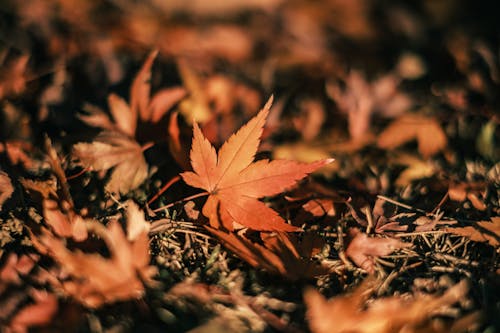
[[360, 99], [13, 76], [234, 182], [143, 107], [136, 223], [40, 313], [114, 150], [426, 130], [280, 253], [95, 280], [64, 224], [361, 248], [475, 192], [352, 312], [482, 231], [320, 207], [6, 188]]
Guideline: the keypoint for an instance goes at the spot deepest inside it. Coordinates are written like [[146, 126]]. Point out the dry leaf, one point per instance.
[[362, 249], [426, 130], [94, 279], [360, 99], [114, 150], [40, 313], [320, 207], [136, 223], [64, 224], [482, 231], [475, 192], [234, 182], [142, 107], [352, 313], [6, 188], [280, 253], [13, 77]]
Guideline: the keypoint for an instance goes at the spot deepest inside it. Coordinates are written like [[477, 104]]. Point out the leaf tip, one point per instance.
[[269, 102]]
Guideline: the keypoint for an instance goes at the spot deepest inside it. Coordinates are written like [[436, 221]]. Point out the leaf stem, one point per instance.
[[164, 188], [147, 145], [198, 195]]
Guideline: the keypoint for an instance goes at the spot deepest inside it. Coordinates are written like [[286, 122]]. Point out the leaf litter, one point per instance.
[[141, 189]]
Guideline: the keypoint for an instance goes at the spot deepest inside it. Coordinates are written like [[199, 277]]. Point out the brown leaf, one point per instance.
[[482, 231], [426, 130], [13, 77], [352, 313], [281, 253], [361, 99], [114, 150], [362, 249], [94, 279], [163, 101], [475, 192], [6, 188], [64, 224], [40, 313], [141, 88], [234, 182]]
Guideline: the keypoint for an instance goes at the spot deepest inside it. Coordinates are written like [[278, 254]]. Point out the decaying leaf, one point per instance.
[[114, 150], [234, 182], [362, 249], [352, 313], [426, 130], [95, 280], [280, 253], [482, 231], [6, 188]]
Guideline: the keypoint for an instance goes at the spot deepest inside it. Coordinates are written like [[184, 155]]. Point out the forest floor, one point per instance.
[[249, 166]]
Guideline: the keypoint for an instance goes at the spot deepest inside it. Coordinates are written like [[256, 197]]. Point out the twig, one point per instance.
[[199, 195]]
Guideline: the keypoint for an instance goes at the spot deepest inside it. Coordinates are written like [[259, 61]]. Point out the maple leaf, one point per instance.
[[94, 279], [143, 107], [482, 231], [235, 182], [426, 130], [114, 150]]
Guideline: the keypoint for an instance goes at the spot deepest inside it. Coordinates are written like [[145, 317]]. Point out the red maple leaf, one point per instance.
[[235, 182]]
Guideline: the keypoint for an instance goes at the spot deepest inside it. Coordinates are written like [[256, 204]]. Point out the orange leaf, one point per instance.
[[94, 279], [67, 224], [141, 87], [6, 188], [281, 253], [234, 182], [483, 231], [427, 131], [353, 313]]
